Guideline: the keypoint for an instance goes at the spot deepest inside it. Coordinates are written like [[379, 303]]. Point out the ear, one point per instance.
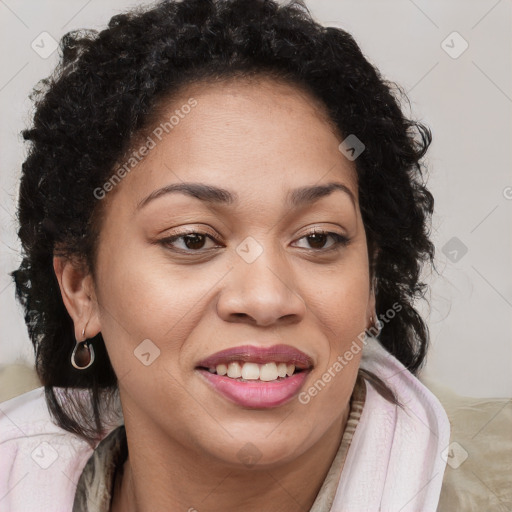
[[79, 297]]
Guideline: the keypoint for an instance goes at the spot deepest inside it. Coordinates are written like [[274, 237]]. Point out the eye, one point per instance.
[[195, 241], [192, 241], [318, 238]]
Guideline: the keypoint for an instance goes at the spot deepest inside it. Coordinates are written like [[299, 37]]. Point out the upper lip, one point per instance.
[[260, 355]]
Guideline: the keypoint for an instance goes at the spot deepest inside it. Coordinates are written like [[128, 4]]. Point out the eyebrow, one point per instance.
[[211, 194]]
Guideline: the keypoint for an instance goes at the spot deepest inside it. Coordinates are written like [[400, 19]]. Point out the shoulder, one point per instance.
[[40, 462]]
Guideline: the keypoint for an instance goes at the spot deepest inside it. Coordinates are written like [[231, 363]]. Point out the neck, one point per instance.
[[178, 480]]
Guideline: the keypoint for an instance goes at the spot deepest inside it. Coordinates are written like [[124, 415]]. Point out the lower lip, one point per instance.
[[256, 393]]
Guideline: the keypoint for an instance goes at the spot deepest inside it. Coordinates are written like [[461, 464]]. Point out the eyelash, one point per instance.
[[339, 241]]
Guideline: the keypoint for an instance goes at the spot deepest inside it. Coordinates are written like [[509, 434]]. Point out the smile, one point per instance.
[[252, 371], [257, 377]]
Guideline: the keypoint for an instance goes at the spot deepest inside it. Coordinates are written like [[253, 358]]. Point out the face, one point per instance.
[[183, 276]]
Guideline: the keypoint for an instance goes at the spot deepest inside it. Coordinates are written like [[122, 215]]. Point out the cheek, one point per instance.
[[136, 301], [341, 297], [345, 309], [142, 296], [341, 313]]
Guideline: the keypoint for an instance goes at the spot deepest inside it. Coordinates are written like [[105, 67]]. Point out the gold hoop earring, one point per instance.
[[83, 355]]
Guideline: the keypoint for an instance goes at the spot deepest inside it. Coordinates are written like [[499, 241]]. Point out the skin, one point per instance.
[[258, 139]]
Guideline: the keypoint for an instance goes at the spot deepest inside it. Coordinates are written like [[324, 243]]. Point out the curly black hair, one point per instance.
[[106, 90]]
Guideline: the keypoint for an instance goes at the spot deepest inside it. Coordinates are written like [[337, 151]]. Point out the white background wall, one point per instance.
[[466, 101]]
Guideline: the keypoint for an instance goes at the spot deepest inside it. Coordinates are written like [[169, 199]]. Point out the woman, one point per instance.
[[224, 219]]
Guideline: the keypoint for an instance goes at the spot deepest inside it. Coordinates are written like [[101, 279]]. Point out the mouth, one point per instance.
[[257, 377]]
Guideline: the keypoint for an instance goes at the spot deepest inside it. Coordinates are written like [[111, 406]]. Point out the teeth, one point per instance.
[[222, 369], [234, 370], [252, 371], [281, 369], [268, 372]]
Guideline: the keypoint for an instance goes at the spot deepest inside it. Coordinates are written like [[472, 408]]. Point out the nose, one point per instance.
[[262, 292]]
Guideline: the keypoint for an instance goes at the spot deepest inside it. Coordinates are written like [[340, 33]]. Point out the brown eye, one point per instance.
[[317, 240], [194, 241], [190, 242]]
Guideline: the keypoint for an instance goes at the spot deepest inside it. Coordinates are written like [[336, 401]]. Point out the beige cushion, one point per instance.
[[16, 379], [478, 475]]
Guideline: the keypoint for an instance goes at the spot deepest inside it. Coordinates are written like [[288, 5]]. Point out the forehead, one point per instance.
[[259, 138]]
